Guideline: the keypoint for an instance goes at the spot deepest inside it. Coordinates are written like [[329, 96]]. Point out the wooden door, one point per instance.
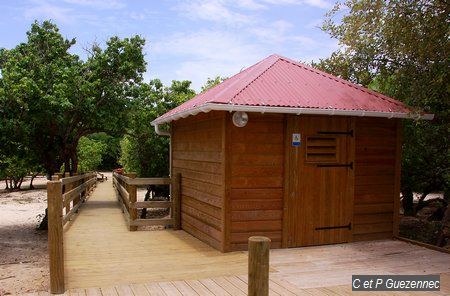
[[319, 180]]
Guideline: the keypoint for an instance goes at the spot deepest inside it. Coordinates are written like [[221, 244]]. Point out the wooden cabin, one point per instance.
[[288, 152]]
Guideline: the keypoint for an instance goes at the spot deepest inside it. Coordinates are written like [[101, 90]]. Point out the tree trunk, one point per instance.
[[44, 223], [147, 198], [20, 183], [74, 159], [408, 202], [6, 181], [16, 181], [32, 179], [67, 165]]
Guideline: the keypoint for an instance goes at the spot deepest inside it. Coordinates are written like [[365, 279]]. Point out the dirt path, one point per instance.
[[23, 249]]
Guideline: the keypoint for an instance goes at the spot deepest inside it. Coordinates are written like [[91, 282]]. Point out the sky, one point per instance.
[[185, 40]]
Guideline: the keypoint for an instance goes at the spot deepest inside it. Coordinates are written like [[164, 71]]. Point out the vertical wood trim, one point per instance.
[[286, 188], [226, 163], [132, 191], [351, 150], [176, 199], [55, 236], [398, 164]]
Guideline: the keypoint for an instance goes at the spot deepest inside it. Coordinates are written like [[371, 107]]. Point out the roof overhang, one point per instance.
[[287, 110]]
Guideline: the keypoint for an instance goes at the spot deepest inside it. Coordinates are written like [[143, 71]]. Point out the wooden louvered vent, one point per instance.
[[321, 149]]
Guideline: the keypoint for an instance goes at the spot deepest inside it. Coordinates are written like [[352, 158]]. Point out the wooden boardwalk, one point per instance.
[[103, 258]]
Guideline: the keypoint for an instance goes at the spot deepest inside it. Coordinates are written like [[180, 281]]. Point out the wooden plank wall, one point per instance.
[[377, 174], [255, 154], [197, 153]]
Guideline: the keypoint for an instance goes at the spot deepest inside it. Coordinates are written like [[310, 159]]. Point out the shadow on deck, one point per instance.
[[100, 251]]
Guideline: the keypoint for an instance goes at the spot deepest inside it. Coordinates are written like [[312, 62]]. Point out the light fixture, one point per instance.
[[240, 119]]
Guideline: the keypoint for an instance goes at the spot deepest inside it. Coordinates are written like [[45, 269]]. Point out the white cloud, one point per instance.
[[277, 33], [43, 9], [215, 11], [324, 4], [207, 54], [251, 4], [98, 4]]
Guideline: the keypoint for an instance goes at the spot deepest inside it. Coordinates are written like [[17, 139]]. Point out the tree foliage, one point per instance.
[[49, 98], [90, 154], [210, 82], [142, 150], [401, 48]]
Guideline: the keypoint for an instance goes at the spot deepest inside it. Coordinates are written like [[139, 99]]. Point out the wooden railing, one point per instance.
[[64, 197], [126, 186]]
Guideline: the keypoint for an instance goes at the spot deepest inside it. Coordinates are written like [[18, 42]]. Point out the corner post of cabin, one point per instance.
[[176, 200], [55, 236], [398, 175], [132, 191], [258, 265]]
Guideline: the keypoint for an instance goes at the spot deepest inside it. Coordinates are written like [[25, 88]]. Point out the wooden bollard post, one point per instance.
[[258, 266], [132, 191], [176, 199], [55, 236]]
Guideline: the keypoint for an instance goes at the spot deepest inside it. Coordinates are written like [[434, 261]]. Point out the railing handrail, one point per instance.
[[72, 179], [142, 181], [61, 193], [127, 191]]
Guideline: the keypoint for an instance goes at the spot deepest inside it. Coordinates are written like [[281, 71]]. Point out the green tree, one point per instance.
[[111, 155], [49, 98], [401, 48], [210, 82], [90, 154], [142, 150]]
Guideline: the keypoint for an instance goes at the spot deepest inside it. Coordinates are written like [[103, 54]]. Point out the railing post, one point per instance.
[[67, 188], [176, 199], [76, 200], [132, 191], [55, 236], [258, 266]]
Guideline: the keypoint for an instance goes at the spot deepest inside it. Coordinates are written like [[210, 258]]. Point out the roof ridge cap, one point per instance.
[[343, 81], [277, 58], [229, 78]]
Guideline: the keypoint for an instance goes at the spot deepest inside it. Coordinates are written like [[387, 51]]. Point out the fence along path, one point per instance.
[[101, 251]]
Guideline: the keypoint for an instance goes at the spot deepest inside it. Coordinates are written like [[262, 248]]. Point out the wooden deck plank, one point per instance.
[[228, 286], [237, 282], [154, 289], [109, 291], [214, 287], [199, 288], [124, 290], [184, 288], [169, 289], [93, 292], [78, 292], [175, 262], [139, 289]]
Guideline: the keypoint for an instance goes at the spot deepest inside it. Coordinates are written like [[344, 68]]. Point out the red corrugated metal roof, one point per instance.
[[277, 83]]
